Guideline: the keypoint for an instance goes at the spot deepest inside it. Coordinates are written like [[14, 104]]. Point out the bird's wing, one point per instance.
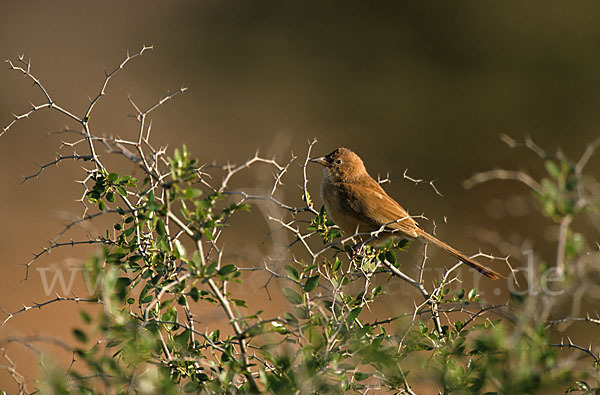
[[369, 203]]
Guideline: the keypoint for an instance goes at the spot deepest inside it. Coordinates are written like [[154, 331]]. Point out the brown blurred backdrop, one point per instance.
[[423, 85]]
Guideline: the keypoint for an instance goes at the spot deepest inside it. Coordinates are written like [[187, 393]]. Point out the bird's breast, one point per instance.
[[340, 207]]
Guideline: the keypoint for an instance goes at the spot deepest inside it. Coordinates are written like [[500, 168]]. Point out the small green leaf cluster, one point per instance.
[[324, 227], [559, 195], [107, 186]]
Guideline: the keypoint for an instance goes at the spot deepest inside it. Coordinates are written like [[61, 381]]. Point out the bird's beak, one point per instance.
[[320, 160]]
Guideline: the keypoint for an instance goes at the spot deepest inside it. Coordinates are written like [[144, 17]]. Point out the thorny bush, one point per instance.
[[162, 260]]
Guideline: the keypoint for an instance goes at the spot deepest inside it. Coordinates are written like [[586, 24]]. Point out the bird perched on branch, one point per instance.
[[358, 204]]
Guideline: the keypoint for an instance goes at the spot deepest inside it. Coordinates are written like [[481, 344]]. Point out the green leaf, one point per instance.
[[93, 196], [178, 249], [279, 327], [550, 189], [135, 258], [301, 312], [333, 233], [182, 339], [353, 314], [472, 293], [115, 258], [110, 197], [128, 232], [239, 302], [337, 264], [575, 243], [309, 268], [402, 243], [360, 376], [117, 255], [323, 211], [194, 294], [226, 269], [192, 193], [170, 315], [211, 268], [160, 227], [121, 191], [208, 234], [114, 343], [101, 205], [552, 168], [290, 318], [292, 272], [458, 325], [311, 283], [85, 317], [145, 299], [202, 377], [292, 296], [80, 335], [390, 256], [113, 177]]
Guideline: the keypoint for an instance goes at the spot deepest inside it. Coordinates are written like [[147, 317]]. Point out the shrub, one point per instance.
[[162, 260]]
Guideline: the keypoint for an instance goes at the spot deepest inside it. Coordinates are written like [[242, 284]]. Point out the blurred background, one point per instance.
[[425, 86]]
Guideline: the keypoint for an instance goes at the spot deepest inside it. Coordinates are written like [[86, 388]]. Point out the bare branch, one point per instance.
[[585, 350], [18, 378], [501, 174], [58, 298], [59, 158], [54, 245], [528, 143], [107, 78], [25, 68], [415, 181]]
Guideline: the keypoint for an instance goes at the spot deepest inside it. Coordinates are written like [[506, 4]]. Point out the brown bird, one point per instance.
[[358, 204]]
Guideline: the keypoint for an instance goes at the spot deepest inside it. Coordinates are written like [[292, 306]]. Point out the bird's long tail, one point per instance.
[[489, 273]]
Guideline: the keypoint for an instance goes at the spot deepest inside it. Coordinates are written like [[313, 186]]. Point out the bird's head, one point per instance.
[[342, 164]]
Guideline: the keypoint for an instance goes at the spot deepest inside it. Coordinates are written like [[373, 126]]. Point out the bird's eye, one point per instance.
[[339, 161]]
